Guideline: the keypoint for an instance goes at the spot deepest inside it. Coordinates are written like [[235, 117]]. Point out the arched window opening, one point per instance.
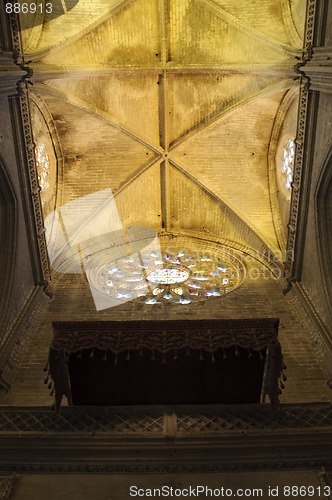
[[287, 164], [43, 167]]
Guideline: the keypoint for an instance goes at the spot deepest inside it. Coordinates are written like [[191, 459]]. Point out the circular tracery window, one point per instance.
[[179, 277], [167, 276], [287, 164]]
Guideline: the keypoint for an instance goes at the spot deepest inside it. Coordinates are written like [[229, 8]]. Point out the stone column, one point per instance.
[[319, 69], [10, 75]]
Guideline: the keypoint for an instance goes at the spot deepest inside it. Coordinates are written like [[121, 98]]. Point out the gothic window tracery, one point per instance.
[[287, 164], [179, 277]]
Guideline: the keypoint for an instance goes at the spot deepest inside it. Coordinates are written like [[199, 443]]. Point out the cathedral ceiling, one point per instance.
[[172, 104]]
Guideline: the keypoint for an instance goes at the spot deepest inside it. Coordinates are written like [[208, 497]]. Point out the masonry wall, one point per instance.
[[313, 275], [22, 282], [258, 297]]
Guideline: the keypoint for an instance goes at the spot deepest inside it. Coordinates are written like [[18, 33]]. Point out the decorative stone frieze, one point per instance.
[[291, 267], [154, 420], [136, 440], [21, 116]]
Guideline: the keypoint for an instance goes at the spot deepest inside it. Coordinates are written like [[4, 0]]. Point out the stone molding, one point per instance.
[[315, 71], [304, 146], [192, 421], [19, 109], [282, 111], [118, 439], [23, 138], [162, 468], [151, 439], [289, 24]]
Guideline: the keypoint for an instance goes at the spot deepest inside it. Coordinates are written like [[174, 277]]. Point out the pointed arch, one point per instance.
[[323, 202], [8, 240]]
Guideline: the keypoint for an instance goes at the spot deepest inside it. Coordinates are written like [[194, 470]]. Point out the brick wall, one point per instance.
[[22, 281], [255, 298], [312, 278]]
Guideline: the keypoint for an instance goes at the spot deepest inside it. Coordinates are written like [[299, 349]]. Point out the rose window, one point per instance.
[[179, 277]]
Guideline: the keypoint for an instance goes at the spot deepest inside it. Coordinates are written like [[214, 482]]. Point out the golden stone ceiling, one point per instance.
[[175, 105]]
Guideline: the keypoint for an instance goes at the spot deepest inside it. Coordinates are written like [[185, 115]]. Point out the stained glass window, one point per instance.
[[168, 276], [178, 277], [287, 164], [43, 167]]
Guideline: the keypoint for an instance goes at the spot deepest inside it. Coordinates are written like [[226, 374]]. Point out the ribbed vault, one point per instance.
[[172, 105]]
